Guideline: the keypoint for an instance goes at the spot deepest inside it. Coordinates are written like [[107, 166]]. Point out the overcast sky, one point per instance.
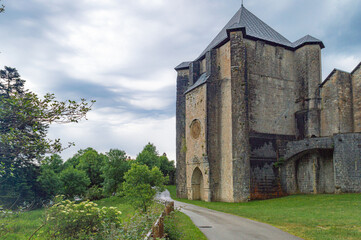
[[121, 53]]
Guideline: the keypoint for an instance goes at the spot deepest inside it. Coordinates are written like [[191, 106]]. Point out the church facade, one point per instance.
[[254, 120]]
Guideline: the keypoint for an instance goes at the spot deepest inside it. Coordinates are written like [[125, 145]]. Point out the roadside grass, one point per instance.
[[321, 217], [181, 227]]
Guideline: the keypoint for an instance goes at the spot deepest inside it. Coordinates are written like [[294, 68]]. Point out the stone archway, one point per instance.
[[197, 185]]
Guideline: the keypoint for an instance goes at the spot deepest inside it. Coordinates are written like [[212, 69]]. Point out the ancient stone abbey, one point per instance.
[[255, 121]]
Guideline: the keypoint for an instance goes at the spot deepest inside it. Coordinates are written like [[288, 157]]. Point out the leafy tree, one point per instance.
[[54, 162], [50, 182], [167, 168], [24, 122], [114, 169], [75, 182], [75, 160], [2, 8], [91, 163], [148, 156], [141, 185]]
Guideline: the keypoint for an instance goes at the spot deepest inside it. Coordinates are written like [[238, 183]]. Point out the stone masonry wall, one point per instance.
[[336, 104], [347, 161], [240, 118], [225, 97], [308, 77], [182, 84], [356, 90], [195, 128], [271, 88]]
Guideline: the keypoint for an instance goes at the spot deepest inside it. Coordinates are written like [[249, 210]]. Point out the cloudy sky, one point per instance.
[[121, 53]]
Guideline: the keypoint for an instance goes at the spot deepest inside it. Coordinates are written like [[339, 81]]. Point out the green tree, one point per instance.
[[167, 168], [24, 122], [54, 162], [75, 182], [148, 156], [50, 182], [2, 8], [114, 169], [91, 163], [141, 185]]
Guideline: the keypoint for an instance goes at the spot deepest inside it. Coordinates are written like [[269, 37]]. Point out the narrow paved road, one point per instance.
[[223, 226]]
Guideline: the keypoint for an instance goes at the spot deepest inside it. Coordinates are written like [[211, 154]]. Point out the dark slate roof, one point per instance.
[[357, 67], [183, 65], [307, 39], [201, 80], [255, 28]]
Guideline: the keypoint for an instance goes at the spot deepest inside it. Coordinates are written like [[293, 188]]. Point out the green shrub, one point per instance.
[[94, 193], [70, 220]]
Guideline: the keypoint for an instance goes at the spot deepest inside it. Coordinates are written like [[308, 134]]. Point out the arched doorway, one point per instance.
[[197, 184]]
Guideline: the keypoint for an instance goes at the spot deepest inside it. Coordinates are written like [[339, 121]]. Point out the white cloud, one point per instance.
[[129, 48]]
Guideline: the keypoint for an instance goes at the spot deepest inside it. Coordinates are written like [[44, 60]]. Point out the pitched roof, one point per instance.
[[183, 65], [201, 80], [307, 39], [255, 28]]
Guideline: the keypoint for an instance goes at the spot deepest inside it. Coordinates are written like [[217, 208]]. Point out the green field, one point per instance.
[[22, 227], [323, 216]]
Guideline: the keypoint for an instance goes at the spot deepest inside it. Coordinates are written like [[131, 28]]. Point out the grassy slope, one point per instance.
[[307, 216]]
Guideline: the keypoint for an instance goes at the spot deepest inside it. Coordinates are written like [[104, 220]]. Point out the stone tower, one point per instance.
[[239, 104]]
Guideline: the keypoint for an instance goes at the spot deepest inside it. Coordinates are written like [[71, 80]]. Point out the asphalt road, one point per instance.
[[222, 226]]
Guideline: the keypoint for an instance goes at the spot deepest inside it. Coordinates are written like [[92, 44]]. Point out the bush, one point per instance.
[[94, 193], [70, 220]]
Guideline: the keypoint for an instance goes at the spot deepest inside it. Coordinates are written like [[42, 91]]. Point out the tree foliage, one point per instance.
[[2, 8], [24, 122], [141, 185], [91, 163], [149, 156], [116, 165], [75, 182]]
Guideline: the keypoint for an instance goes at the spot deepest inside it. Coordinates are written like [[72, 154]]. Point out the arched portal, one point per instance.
[[197, 185]]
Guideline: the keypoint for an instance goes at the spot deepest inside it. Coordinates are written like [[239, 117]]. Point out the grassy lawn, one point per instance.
[[23, 226], [323, 216]]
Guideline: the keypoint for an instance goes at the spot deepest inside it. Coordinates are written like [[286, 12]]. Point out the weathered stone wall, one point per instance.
[[347, 161], [195, 128], [329, 107], [312, 172], [271, 88], [356, 90], [224, 79], [182, 84], [336, 104], [308, 77], [240, 118], [265, 151]]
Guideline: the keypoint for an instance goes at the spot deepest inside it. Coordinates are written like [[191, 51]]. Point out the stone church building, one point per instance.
[[255, 121]]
